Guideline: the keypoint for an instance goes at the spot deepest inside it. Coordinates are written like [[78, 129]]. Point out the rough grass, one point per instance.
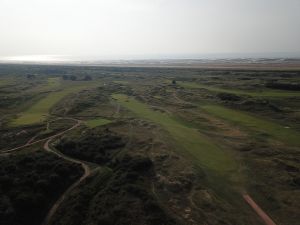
[[264, 93], [4, 82], [97, 122], [121, 82], [54, 82], [255, 123], [200, 147]]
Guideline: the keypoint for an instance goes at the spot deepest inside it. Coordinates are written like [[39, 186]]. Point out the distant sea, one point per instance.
[[196, 62]]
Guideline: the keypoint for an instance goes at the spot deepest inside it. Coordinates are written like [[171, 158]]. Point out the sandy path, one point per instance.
[[85, 167], [31, 139], [117, 110], [86, 173], [177, 98], [30, 142], [258, 210]]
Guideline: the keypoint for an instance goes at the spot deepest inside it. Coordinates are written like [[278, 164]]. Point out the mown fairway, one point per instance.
[[97, 122], [54, 82], [40, 110], [4, 82], [264, 93], [206, 153], [255, 123]]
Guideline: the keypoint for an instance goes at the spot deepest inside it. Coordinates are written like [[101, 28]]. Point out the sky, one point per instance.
[[115, 29]]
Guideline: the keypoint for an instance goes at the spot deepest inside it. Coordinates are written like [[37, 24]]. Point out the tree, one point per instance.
[[65, 77], [87, 78], [30, 76], [73, 78]]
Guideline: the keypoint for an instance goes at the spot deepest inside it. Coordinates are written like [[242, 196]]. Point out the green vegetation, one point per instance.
[[252, 122], [53, 82], [264, 93], [40, 110], [121, 82], [18, 136], [108, 195], [98, 147], [97, 122], [206, 153], [30, 183], [157, 97], [118, 195], [4, 82], [165, 159]]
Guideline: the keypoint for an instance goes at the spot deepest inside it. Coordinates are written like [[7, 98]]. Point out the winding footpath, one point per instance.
[[86, 173], [86, 168], [31, 142]]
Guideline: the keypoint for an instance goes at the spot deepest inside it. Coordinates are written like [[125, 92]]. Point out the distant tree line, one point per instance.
[[30, 76], [74, 78], [284, 86]]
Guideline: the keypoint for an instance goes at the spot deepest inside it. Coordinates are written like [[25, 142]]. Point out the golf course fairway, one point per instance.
[[200, 147]]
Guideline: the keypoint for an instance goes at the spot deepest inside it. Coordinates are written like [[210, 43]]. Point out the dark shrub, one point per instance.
[[228, 97]]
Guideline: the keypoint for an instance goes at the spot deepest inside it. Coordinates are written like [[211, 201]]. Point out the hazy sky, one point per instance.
[[145, 28]]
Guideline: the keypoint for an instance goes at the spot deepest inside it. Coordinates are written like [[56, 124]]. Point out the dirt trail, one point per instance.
[[85, 167], [31, 139], [177, 98], [30, 142], [86, 173], [117, 110], [258, 210]]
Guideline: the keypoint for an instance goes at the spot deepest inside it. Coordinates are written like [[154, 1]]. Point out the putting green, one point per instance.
[[255, 123], [97, 122], [200, 147], [265, 93]]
